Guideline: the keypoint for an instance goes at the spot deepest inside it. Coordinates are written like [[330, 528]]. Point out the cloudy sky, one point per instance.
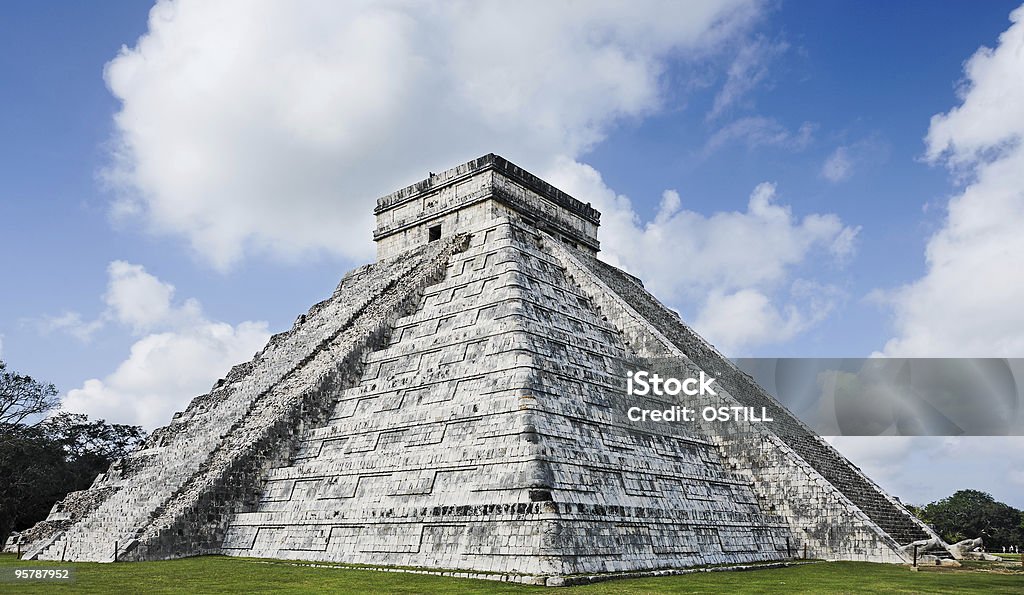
[[796, 178]]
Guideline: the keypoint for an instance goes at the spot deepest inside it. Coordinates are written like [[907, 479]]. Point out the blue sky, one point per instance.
[[133, 284]]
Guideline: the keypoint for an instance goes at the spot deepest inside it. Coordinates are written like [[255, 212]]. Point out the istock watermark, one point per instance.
[[647, 383], [643, 383]]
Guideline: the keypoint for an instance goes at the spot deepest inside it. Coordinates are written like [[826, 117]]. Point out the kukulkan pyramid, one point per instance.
[[459, 404]]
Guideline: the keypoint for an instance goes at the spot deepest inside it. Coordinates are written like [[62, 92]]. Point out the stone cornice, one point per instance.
[[499, 165]]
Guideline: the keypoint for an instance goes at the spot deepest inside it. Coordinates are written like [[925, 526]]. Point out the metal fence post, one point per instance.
[[915, 554]]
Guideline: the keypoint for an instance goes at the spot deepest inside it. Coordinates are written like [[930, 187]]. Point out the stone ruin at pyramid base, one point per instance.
[[458, 404]]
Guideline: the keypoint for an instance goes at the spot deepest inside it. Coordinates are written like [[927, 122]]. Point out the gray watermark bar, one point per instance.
[[895, 396]]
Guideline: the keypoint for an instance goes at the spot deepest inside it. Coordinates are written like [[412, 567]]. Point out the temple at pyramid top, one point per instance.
[[482, 189]]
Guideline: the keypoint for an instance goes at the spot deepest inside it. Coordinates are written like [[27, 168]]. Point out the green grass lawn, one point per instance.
[[215, 574]]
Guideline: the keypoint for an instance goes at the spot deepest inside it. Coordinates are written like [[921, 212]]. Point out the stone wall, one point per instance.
[[829, 502]]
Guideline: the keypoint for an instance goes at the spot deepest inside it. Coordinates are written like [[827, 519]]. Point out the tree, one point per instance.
[[970, 513], [89, 447], [915, 510], [26, 456], [23, 398], [42, 459], [32, 466]]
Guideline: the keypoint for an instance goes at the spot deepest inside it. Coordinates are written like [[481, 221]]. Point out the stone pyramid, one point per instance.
[[459, 404]]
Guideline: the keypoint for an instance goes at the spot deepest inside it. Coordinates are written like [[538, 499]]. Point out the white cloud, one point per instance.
[[134, 298], [165, 368], [838, 166], [882, 458], [849, 158], [272, 126], [725, 265], [140, 300], [748, 70], [759, 131], [989, 118], [71, 323], [746, 315], [923, 469], [968, 302], [845, 243]]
